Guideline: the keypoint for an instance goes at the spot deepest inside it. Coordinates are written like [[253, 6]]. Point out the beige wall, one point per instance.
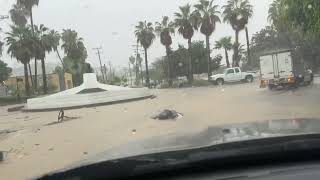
[[53, 81]]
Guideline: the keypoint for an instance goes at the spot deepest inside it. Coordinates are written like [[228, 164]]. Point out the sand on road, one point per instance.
[[33, 147]]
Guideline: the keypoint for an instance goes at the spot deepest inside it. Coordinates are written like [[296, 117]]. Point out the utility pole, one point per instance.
[[130, 75], [105, 71], [138, 66], [110, 71], [98, 52]]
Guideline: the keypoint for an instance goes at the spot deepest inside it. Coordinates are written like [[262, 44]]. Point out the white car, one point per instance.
[[232, 75]]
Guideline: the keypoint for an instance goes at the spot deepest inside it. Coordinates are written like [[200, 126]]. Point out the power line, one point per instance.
[[2, 17]]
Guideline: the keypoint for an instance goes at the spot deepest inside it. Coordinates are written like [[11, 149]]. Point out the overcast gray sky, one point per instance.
[[110, 24]]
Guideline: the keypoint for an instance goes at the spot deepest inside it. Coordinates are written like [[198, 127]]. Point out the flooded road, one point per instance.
[[35, 145]]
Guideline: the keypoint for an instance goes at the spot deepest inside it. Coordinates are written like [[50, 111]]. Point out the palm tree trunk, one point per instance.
[[208, 56], [26, 79], [169, 66], [44, 77], [63, 87], [35, 59], [141, 73], [35, 74], [147, 69], [31, 21], [236, 51], [137, 72], [190, 73], [248, 47], [227, 57], [30, 74]]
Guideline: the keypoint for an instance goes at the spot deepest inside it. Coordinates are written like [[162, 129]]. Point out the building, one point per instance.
[[54, 81]]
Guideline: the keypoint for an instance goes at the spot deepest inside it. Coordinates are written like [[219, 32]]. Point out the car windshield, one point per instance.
[[83, 77]]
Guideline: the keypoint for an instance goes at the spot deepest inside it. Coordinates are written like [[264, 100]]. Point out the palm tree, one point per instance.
[[18, 15], [28, 5], [145, 36], [53, 37], [207, 14], [44, 45], [72, 44], [20, 45], [76, 55], [185, 21], [226, 44], [273, 12], [237, 14], [164, 31]]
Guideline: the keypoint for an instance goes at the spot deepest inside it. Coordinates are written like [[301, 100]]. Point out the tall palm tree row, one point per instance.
[[185, 21], [164, 29], [27, 5], [145, 36], [44, 46], [237, 14], [207, 14], [225, 43], [21, 46]]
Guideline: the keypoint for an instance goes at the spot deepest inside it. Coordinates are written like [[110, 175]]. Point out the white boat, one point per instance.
[[90, 93]]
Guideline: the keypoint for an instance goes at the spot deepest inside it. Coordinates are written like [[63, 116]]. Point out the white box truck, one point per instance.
[[279, 68]]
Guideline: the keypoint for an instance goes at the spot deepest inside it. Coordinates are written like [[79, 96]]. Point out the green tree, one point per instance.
[[20, 45], [225, 43], [5, 71], [237, 14], [145, 36], [207, 14], [304, 14], [164, 30], [186, 22]]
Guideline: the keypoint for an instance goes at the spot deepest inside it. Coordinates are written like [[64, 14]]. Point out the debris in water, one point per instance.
[[134, 131], [168, 114]]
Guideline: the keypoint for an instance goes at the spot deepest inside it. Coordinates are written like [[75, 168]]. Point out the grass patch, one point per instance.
[[11, 100]]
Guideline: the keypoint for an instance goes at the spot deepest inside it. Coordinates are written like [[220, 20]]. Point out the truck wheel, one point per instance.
[[249, 79], [220, 82]]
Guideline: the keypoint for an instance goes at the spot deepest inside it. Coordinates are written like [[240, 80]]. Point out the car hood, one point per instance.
[[211, 136]]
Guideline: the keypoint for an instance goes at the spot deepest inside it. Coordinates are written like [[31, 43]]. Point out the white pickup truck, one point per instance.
[[232, 75]]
